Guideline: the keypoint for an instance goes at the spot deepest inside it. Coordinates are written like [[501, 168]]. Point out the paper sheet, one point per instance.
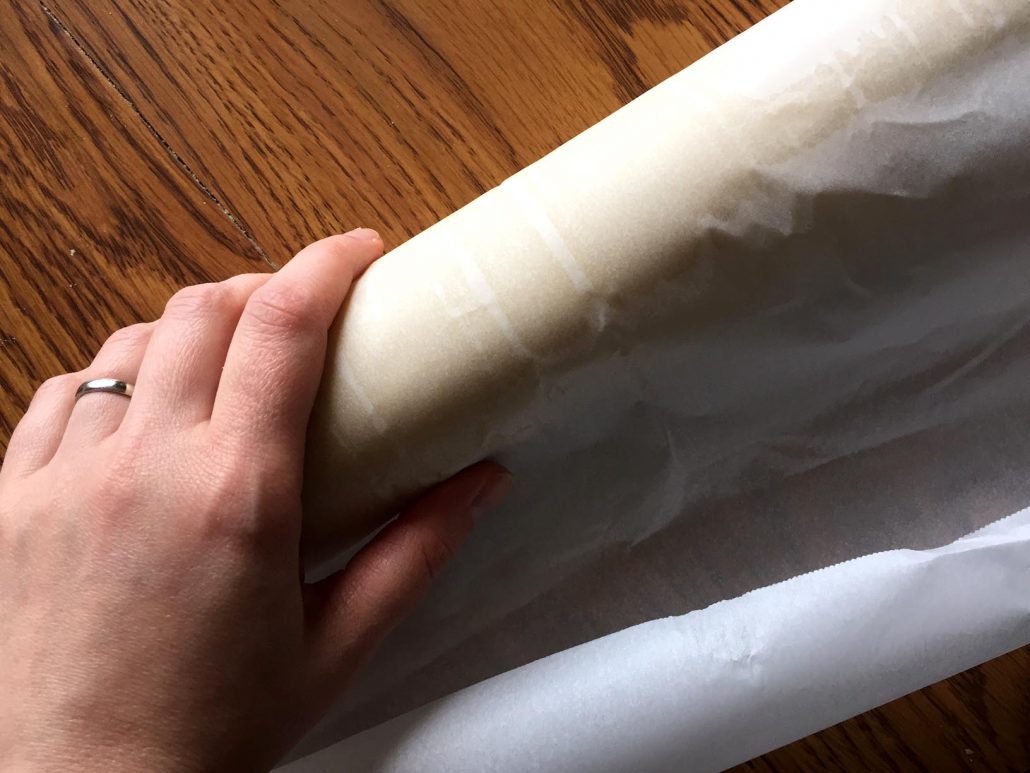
[[768, 317], [719, 686]]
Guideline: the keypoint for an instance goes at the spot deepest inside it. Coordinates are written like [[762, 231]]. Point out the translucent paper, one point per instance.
[[769, 317]]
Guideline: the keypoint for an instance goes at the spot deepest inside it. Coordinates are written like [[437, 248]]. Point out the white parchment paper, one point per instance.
[[716, 687], [798, 336]]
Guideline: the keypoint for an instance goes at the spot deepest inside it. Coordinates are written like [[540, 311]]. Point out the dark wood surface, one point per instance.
[[98, 222], [149, 144]]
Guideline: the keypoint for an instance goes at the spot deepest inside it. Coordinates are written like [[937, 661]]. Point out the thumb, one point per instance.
[[356, 607]]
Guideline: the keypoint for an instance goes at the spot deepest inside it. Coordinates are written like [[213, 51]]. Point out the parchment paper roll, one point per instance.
[[791, 342], [467, 337]]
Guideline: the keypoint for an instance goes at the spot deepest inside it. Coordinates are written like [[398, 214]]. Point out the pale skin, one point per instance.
[[152, 611]]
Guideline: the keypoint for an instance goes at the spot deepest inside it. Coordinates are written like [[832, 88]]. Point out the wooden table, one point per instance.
[[147, 144]]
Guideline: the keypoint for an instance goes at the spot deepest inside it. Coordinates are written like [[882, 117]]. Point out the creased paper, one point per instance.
[[769, 317]]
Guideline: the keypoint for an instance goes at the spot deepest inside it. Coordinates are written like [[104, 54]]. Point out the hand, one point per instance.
[[152, 612]]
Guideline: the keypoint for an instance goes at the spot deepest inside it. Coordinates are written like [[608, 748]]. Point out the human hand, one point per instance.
[[152, 611]]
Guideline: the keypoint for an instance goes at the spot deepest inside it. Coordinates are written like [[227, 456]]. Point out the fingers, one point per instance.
[[360, 604], [275, 360], [97, 415], [179, 376], [36, 438], [55, 420], [272, 353]]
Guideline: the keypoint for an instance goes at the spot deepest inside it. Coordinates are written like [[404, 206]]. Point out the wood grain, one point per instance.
[[308, 117], [99, 224], [171, 141]]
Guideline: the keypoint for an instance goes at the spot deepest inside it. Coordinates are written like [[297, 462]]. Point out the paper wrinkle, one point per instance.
[[817, 351]]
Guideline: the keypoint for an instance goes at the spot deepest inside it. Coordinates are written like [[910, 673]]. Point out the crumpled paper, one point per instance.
[[769, 317]]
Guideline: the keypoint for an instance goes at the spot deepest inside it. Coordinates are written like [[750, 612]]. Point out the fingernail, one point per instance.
[[363, 234], [493, 491]]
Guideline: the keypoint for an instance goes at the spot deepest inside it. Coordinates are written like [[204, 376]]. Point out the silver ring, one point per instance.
[[112, 385]]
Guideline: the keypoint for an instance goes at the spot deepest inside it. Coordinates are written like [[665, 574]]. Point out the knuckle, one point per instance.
[[57, 385], [127, 336], [281, 308], [196, 300]]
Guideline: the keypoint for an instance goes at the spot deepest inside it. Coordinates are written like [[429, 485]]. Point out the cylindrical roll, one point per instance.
[[457, 342]]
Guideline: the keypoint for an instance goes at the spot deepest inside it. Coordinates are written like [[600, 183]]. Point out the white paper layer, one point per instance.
[[738, 186], [716, 687], [804, 338]]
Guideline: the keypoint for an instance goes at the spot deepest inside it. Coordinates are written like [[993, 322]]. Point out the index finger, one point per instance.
[[275, 360]]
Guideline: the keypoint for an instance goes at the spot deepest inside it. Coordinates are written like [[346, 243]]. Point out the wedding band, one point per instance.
[[112, 385]]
